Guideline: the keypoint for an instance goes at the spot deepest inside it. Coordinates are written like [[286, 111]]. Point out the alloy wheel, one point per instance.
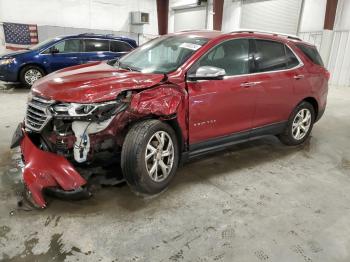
[[159, 156], [32, 75], [301, 124]]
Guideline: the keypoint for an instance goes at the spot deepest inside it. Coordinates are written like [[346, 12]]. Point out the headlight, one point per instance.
[[7, 61], [78, 111], [95, 111]]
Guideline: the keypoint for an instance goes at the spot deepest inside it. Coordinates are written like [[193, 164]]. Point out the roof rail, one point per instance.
[[101, 35], [197, 30], [267, 32]]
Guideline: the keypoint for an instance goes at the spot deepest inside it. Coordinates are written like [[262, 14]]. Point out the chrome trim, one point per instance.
[[301, 64], [37, 114], [250, 84], [42, 100]]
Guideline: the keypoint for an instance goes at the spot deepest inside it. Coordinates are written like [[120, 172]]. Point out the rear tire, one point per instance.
[[29, 74], [299, 125], [150, 157]]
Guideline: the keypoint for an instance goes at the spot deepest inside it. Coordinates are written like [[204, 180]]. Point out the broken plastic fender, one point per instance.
[[161, 101], [44, 169]]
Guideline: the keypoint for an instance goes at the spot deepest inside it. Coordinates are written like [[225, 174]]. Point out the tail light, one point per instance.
[[327, 74]]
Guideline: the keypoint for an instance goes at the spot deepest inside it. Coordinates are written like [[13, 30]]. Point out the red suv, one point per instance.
[[174, 98]]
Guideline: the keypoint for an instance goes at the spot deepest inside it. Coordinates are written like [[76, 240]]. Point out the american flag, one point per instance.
[[20, 36]]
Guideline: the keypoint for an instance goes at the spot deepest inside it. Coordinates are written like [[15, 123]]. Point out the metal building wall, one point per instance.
[[339, 58], [272, 15], [339, 61]]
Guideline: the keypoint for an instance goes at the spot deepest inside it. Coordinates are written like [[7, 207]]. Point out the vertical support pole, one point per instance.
[[331, 9], [162, 14], [218, 7], [328, 33]]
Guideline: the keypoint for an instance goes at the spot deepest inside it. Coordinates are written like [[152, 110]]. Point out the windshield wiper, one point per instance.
[[128, 67]]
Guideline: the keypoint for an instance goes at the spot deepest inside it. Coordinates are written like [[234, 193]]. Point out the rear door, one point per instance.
[[275, 70], [95, 50], [67, 53]]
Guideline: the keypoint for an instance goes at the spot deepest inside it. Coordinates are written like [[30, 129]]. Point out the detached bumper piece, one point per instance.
[[45, 170]]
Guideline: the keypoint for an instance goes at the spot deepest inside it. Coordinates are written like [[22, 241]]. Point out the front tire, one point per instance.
[[299, 125], [150, 156], [30, 74]]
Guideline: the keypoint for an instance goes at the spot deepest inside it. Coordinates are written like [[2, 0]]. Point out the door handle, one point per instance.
[[249, 84], [297, 77]]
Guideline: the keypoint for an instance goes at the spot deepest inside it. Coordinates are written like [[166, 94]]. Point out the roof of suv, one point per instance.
[[90, 35], [212, 34]]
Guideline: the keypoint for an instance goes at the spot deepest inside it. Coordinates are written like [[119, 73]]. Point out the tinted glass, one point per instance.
[[67, 46], [292, 60], [231, 55], [95, 45], [42, 44], [311, 53], [270, 56], [118, 46]]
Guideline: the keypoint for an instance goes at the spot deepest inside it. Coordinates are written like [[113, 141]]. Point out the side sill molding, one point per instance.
[[224, 142]]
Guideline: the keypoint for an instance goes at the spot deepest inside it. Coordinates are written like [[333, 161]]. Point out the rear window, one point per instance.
[[96, 45], [312, 53], [118, 46], [270, 56]]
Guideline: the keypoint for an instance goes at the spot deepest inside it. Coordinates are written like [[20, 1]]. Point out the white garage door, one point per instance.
[[271, 15], [189, 18]]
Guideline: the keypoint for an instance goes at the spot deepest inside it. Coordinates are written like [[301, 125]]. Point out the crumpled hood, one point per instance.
[[90, 83]]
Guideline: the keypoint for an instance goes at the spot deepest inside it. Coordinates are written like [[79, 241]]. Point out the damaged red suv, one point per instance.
[[174, 98]]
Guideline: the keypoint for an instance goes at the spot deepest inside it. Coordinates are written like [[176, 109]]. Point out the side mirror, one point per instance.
[[112, 62], [208, 73], [54, 50]]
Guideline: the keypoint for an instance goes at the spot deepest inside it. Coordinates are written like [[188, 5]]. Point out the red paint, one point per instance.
[[159, 101], [44, 169], [219, 107], [93, 82]]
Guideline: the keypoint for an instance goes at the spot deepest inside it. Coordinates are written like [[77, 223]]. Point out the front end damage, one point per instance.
[[59, 138]]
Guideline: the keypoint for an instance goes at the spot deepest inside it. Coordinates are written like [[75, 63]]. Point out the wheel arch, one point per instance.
[[30, 64], [173, 123], [314, 104]]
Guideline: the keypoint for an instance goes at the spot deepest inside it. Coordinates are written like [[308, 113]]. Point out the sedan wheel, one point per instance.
[[32, 75]]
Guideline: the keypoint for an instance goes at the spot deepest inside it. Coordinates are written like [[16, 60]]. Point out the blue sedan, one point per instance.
[[54, 54]]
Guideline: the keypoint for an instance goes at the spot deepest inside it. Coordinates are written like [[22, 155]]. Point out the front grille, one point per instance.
[[37, 115]]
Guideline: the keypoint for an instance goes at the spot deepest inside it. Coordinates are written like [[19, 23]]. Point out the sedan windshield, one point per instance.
[[162, 55]]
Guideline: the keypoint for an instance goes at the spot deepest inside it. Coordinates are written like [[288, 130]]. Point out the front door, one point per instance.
[[219, 108], [63, 54]]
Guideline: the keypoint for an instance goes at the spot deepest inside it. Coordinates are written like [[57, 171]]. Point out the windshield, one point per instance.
[[162, 55], [40, 45]]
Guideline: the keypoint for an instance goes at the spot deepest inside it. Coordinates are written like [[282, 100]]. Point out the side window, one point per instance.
[[119, 46], [67, 46], [270, 56], [292, 60], [96, 45], [311, 53], [230, 55]]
